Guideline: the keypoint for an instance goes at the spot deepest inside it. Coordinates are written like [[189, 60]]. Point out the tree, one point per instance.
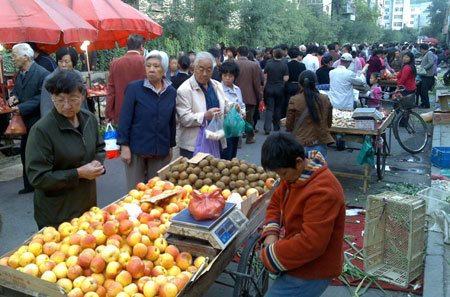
[[365, 27], [437, 12]]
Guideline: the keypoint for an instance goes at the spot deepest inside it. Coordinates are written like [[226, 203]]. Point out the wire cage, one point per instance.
[[394, 237], [407, 102]]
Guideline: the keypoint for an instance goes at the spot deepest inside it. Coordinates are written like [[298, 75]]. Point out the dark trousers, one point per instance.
[[425, 85], [249, 117], [186, 153], [290, 89], [23, 144], [231, 151], [274, 99]]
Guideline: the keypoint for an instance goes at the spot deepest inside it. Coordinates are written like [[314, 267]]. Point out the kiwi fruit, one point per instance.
[[240, 183], [233, 177], [182, 167], [179, 182], [220, 185], [216, 177], [189, 170], [228, 164], [271, 174], [173, 181], [260, 190], [263, 176], [215, 170], [201, 175], [243, 167], [198, 184], [259, 169], [251, 171], [253, 166], [235, 162], [232, 185], [203, 163], [225, 179], [207, 181], [241, 176], [242, 162], [251, 177], [168, 175], [213, 162], [207, 169], [260, 183], [226, 172], [253, 184], [242, 191], [209, 175], [192, 178], [176, 175], [197, 170], [221, 165], [183, 175], [184, 160], [174, 168], [235, 170], [209, 158], [247, 187]]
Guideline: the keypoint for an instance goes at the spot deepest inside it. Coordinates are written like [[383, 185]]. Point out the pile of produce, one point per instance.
[[4, 108], [112, 253], [343, 118], [236, 175], [97, 90]]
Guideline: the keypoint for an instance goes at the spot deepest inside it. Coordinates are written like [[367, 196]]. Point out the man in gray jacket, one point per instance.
[[427, 79]]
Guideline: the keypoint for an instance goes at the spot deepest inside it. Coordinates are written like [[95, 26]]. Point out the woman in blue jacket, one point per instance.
[[147, 123]]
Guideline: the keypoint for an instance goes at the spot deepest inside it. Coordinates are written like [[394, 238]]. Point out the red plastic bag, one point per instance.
[[262, 106], [206, 206], [16, 127]]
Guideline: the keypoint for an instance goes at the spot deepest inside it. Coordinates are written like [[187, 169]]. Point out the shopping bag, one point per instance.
[[207, 146], [16, 126], [234, 124], [262, 106], [248, 127], [367, 153], [111, 147], [214, 130], [206, 206], [421, 71]]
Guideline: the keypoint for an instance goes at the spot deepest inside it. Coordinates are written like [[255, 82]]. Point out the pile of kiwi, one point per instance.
[[236, 175]]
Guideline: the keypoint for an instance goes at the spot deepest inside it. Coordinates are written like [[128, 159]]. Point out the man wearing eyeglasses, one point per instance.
[[26, 96]]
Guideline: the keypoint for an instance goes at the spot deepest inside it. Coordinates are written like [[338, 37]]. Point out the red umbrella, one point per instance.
[[430, 40], [47, 23], [115, 20]]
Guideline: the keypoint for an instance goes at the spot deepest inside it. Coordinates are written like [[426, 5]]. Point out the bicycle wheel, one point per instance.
[[411, 132], [250, 265], [381, 156]]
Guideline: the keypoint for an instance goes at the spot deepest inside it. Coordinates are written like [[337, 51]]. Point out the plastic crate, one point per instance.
[[435, 199], [394, 237], [440, 157]]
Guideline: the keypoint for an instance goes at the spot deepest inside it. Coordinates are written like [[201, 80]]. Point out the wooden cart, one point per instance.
[[378, 137]]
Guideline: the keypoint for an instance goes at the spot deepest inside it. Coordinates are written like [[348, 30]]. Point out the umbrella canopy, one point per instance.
[[47, 23], [430, 40], [115, 20]]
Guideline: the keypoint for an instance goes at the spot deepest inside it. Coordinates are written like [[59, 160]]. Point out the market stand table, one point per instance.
[[378, 138]]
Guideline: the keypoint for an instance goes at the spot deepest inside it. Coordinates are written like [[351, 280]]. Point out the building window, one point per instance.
[[386, 17], [397, 24], [398, 17], [399, 2]]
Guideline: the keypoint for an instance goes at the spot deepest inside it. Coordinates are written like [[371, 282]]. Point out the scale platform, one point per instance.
[[206, 236]]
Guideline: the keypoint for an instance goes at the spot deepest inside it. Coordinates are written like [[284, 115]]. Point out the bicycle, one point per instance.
[[409, 128]]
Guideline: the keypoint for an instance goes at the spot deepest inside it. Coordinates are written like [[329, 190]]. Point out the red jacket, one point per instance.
[[406, 78], [314, 218], [122, 71]]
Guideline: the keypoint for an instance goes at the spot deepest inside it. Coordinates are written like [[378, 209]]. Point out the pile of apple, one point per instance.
[[106, 252]]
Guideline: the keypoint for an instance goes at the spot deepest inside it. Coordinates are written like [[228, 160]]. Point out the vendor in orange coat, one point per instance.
[[309, 205]]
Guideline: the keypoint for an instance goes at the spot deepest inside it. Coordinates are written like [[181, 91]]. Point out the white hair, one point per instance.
[[24, 49], [204, 56], [302, 48], [162, 56]]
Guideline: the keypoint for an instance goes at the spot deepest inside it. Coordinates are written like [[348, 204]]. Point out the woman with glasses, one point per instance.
[[64, 154], [67, 59]]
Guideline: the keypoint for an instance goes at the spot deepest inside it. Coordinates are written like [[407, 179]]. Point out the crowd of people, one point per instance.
[[161, 102]]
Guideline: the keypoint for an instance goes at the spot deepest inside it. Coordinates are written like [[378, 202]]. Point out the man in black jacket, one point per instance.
[[26, 96]]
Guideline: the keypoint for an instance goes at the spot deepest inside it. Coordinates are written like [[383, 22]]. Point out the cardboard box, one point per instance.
[[441, 118]]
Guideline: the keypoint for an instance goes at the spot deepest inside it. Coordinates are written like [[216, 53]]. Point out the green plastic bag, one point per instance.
[[367, 153], [234, 124], [248, 127]]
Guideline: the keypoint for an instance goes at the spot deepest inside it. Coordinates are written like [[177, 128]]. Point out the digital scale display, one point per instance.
[[226, 231]]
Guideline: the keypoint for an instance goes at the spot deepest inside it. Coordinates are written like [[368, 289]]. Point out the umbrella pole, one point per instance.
[[89, 68], [2, 80]]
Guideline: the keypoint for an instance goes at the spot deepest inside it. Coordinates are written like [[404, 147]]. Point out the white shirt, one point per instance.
[[311, 62], [341, 87], [234, 95]]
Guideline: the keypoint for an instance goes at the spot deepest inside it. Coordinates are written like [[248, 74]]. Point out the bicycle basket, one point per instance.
[[407, 102]]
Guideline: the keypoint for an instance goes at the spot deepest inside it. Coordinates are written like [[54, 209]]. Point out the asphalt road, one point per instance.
[[17, 211]]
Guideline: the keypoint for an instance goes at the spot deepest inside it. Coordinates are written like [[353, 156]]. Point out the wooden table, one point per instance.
[[358, 135]]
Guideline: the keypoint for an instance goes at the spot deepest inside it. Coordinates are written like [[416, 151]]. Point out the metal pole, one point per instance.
[[88, 67]]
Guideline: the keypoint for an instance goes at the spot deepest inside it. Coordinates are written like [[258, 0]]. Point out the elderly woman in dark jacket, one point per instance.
[[64, 154], [147, 122]]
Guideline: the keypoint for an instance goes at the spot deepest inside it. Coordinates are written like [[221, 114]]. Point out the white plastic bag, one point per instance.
[[214, 130], [111, 147]]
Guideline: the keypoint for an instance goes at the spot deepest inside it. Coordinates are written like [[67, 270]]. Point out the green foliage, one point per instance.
[[406, 34], [437, 12]]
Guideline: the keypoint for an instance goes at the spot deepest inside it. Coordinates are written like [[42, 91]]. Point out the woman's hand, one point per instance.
[[125, 155], [171, 153], [91, 170], [270, 239], [13, 101], [238, 108], [210, 113]]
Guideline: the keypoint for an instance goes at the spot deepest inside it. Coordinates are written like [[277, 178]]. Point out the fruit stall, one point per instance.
[[355, 126], [171, 236]]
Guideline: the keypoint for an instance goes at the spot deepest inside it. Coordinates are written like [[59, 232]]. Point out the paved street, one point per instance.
[[17, 211]]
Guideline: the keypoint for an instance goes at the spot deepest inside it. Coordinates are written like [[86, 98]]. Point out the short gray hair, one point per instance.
[[203, 56], [162, 56], [24, 49]]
